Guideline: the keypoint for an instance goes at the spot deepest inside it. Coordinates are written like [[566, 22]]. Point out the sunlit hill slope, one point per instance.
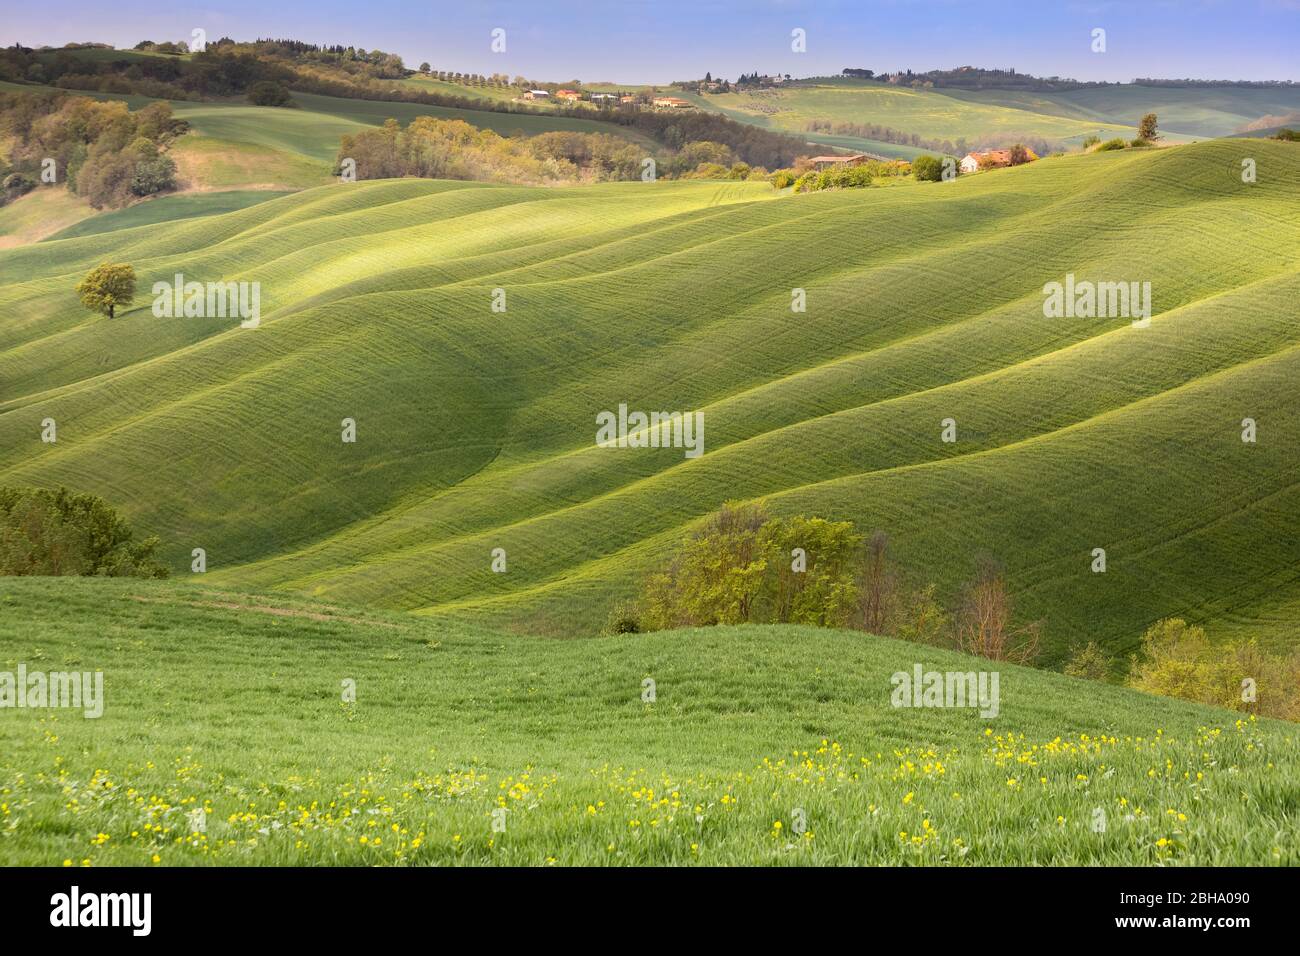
[[475, 428]]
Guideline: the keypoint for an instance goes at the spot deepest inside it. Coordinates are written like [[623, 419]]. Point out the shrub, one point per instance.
[[1110, 144], [15, 185], [928, 169], [623, 620], [1178, 660], [1089, 662], [810, 565], [60, 532], [1287, 135], [782, 178], [1140, 143], [153, 176], [919, 618], [268, 93], [717, 575], [1089, 141], [983, 622]]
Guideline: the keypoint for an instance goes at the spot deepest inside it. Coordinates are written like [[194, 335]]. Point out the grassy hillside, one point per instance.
[[930, 114], [167, 209], [762, 745], [1003, 115], [1194, 112], [476, 429], [39, 214]]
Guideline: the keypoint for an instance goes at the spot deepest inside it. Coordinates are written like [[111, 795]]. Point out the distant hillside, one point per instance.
[[476, 428], [966, 118]]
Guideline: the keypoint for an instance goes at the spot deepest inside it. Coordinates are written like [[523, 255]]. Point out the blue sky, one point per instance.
[[638, 41]]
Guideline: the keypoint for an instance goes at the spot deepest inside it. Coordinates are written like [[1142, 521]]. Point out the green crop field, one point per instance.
[[929, 114], [461, 746], [1189, 112], [476, 428], [1002, 115], [168, 209]]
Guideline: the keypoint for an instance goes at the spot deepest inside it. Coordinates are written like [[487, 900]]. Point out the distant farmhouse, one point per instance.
[[604, 97], [990, 159], [571, 95], [537, 95], [672, 103]]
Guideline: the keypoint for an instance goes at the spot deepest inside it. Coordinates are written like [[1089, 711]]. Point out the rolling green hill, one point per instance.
[[1002, 115], [465, 746], [167, 209], [475, 429], [930, 114]]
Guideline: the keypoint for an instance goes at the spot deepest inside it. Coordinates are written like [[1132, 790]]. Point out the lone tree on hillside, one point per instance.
[[107, 286], [1147, 128], [269, 93], [425, 67]]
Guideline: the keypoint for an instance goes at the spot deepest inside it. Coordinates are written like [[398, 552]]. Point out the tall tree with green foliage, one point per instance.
[[1147, 129], [107, 286], [61, 532]]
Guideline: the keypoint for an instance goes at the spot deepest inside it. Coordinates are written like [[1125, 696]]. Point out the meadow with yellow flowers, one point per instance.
[[226, 739]]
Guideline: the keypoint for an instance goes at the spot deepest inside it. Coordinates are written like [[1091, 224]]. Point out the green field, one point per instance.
[[476, 429], [168, 209], [930, 114], [462, 746], [39, 214], [1188, 112], [1001, 115]]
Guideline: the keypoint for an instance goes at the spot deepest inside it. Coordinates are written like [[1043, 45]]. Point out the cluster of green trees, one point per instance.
[[747, 566], [1177, 659], [102, 151], [452, 149], [709, 160], [806, 180], [750, 144], [60, 532]]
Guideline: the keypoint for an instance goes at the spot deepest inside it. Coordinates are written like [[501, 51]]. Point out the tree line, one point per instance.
[[746, 566], [228, 68], [101, 150]]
